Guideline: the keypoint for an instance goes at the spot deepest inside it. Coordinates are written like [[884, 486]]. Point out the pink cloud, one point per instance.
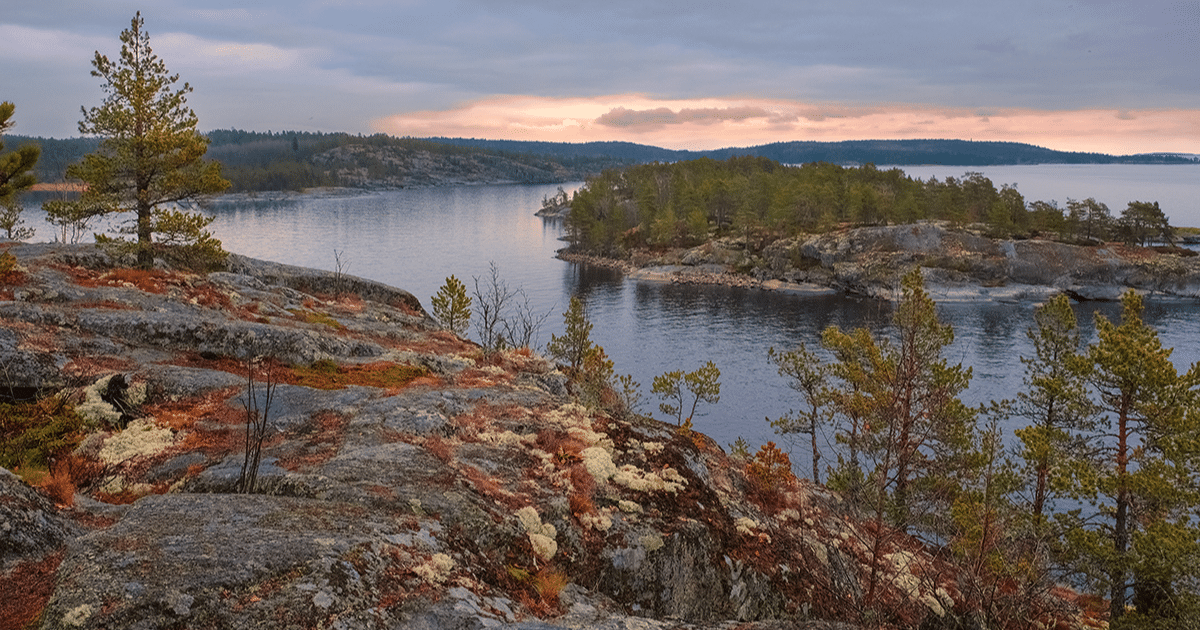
[[722, 122]]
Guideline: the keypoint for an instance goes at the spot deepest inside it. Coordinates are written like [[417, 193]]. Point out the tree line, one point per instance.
[[256, 161], [686, 203]]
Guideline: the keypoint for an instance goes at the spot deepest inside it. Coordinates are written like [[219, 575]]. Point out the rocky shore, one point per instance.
[[958, 265], [407, 480]]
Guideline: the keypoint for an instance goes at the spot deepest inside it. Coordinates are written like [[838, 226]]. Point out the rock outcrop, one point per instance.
[[407, 479], [958, 265]]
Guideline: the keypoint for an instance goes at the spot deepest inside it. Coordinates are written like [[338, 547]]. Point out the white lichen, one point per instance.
[[629, 507], [653, 448], [746, 525], [651, 542], [436, 569], [142, 438], [541, 535], [77, 615], [507, 438], [599, 463], [634, 478], [600, 521], [94, 409]]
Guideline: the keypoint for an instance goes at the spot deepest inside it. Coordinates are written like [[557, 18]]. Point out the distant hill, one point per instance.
[[288, 160], [890, 152]]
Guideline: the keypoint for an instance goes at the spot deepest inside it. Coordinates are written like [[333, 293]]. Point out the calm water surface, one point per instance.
[[414, 239]]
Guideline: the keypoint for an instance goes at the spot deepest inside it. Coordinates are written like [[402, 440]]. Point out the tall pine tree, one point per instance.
[[150, 159]]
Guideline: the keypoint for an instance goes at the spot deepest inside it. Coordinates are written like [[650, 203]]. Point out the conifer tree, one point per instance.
[[702, 384], [150, 159], [452, 306], [15, 166], [1055, 399], [1143, 489], [915, 433], [15, 178], [576, 342]]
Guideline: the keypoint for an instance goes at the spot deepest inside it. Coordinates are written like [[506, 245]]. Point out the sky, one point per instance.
[[1074, 75]]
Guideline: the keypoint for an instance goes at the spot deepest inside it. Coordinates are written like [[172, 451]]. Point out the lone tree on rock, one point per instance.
[[151, 158]]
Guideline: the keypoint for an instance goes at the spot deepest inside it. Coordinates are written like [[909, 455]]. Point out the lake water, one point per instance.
[[414, 239]]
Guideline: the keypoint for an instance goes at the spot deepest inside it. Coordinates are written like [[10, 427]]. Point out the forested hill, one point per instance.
[[881, 152], [256, 161]]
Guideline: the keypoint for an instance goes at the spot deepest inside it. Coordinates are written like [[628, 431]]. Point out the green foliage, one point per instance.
[[899, 414], [701, 385], [8, 268], [15, 178], [809, 377], [33, 433], [15, 166], [11, 223], [452, 307], [595, 379], [576, 342], [1139, 479], [150, 158], [1144, 222], [1054, 400]]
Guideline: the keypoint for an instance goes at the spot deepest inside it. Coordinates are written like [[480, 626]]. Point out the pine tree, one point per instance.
[[576, 342], [15, 166], [811, 378], [906, 417], [702, 384], [1055, 399], [150, 159], [1144, 535], [452, 306]]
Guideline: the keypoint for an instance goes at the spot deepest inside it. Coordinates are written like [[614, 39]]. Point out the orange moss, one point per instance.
[[59, 486], [439, 448], [148, 280], [490, 488], [183, 414], [98, 365], [25, 591], [324, 433], [382, 374], [440, 342]]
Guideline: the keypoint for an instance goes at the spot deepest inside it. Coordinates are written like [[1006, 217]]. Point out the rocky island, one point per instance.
[[407, 479], [957, 264]]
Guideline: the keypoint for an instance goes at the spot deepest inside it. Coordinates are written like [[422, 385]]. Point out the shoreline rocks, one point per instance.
[[957, 265]]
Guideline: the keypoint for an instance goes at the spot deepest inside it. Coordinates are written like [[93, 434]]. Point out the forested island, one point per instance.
[[756, 221]]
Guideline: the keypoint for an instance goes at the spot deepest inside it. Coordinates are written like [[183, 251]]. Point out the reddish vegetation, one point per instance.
[[489, 487], [381, 374], [91, 367], [26, 590], [770, 475], [324, 435], [148, 280], [439, 448]]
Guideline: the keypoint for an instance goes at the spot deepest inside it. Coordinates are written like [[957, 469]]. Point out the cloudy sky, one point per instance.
[[1078, 75]]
